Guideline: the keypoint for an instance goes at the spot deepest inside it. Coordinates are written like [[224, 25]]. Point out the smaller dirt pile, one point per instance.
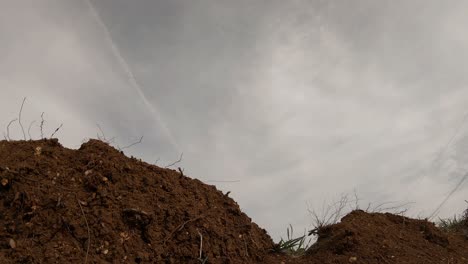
[[363, 237]]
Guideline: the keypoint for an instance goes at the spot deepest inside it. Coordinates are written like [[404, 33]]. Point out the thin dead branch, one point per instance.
[[200, 258], [177, 161], [89, 231], [41, 126], [329, 214], [133, 144], [356, 201], [19, 118], [8, 129], [246, 249], [455, 189], [103, 138], [56, 130], [392, 207], [180, 227], [29, 128]]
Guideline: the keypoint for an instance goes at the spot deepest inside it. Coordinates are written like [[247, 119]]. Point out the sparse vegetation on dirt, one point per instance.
[[95, 205], [457, 224], [294, 246]]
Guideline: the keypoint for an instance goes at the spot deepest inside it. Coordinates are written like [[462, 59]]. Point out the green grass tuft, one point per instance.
[[293, 246], [455, 224]]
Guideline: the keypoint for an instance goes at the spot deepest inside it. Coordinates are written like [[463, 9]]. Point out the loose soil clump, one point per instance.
[[95, 205]]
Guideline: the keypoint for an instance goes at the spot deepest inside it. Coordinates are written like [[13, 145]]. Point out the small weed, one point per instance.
[[454, 224], [294, 246], [451, 224]]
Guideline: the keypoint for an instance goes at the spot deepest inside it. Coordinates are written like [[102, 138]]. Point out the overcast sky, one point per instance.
[[300, 101]]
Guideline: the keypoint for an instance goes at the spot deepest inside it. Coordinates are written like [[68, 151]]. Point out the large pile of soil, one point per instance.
[[95, 205], [65, 206]]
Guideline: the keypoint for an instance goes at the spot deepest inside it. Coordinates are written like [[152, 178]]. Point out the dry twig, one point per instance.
[[177, 161], [8, 129], [102, 133], [29, 129], [102, 137], [246, 249], [133, 144], [56, 130], [87, 226], [393, 207], [180, 227], [436, 211], [329, 215], [41, 126], [19, 118], [356, 201], [200, 258]]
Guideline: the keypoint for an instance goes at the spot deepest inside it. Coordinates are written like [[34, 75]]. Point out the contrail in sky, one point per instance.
[[131, 77]]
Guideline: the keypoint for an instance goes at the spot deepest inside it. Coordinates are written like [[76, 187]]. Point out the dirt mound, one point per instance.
[[363, 237], [67, 206], [95, 205]]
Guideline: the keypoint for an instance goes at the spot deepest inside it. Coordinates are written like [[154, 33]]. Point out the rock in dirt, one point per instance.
[[12, 243]]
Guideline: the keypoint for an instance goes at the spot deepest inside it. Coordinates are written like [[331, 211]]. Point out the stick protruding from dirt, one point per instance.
[[19, 118], [87, 227], [200, 258], [29, 129], [41, 126], [133, 144], [7, 136], [177, 161], [56, 130]]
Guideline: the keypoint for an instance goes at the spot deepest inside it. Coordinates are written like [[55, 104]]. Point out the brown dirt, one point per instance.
[[96, 205], [387, 238]]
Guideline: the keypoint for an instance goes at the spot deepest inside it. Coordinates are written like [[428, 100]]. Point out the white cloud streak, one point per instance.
[[131, 78]]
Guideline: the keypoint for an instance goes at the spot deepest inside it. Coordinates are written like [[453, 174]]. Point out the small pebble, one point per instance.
[[12, 243], [4, 182]]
